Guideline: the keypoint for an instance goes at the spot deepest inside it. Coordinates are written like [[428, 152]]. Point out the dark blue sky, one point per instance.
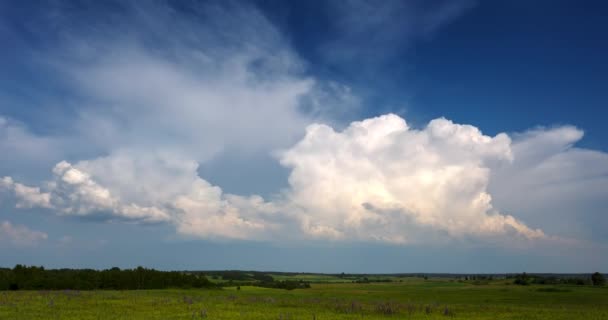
[[173, 113], [503, 65], [515, 64]]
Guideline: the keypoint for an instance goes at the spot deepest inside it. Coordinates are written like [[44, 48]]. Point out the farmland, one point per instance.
[[329, 297]]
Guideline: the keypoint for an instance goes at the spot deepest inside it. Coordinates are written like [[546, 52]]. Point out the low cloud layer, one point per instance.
[[377, 180], [19, 235]]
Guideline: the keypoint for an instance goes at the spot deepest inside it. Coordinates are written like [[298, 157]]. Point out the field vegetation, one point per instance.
[[327, 297]]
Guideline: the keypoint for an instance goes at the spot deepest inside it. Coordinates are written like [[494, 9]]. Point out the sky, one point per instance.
[[309, 136]]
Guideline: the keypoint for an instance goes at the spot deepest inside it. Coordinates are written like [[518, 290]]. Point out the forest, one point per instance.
[[37, 278]]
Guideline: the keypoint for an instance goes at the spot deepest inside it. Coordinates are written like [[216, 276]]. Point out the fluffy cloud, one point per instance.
[[20, 235], [150, 104], [205, 212], [28, 197], [140, 188], [381, 180], [153, 102], [377, 180]]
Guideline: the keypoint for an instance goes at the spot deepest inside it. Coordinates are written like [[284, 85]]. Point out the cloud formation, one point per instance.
[[153, 103], [208, 81], [145, 188], [204, 83], [381, 180], [552, 179], [28, 197], [377, 180], [20, 235]]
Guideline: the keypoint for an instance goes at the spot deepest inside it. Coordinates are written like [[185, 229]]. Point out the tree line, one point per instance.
[[596, 279], [37, 278], [255, 278]]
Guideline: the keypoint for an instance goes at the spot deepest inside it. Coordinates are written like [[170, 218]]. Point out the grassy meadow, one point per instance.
[[409, 298]]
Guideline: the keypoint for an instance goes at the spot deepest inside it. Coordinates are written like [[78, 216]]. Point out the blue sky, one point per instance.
[[406, 136]]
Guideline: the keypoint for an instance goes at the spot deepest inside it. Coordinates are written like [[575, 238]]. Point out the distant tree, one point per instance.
[[598, 279], [262, 277], [522, 279], [38, 278]]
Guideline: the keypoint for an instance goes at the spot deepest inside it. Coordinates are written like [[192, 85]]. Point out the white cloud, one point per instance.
[[206, 213], [28, 197], [20, 235], [234, 83], [75, 192], [149, 115], [555, 183], [379, 180], [228, 82], [152, 111], [149, 189]]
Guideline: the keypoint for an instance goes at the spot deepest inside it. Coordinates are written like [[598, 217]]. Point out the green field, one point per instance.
[[413, 298]]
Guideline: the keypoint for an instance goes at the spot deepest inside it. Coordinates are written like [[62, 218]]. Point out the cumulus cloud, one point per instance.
[[205, 212], [141, 188], [73, 192], [377, 180], [20, 235], [380, 179], [28, 197], [155, 101], [151, 103]]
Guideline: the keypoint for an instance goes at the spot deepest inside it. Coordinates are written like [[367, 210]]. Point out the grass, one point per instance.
[[413, 298]]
